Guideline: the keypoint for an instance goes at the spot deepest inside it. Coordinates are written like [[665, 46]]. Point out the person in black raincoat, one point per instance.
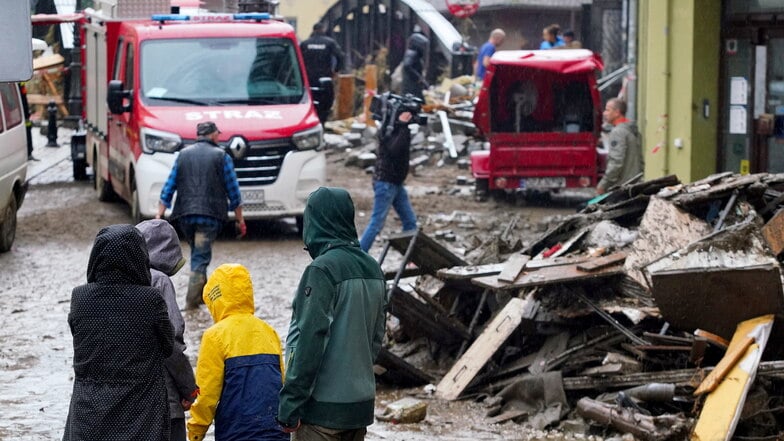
[[414, 65], [121, 335]]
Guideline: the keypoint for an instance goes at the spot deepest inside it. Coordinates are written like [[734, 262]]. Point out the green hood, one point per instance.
[[329, 221]]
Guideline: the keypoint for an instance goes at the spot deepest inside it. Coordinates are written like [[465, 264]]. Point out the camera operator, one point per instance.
[[390, 172]]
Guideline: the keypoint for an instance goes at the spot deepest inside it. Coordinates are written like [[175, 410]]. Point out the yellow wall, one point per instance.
[[678, 69], [307, 13]]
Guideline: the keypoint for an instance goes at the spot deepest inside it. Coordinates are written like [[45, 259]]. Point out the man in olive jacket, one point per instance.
[[336, 329], [624, 156]]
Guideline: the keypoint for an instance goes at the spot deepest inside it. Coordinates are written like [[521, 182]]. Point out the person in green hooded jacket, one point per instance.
[[336, 330]]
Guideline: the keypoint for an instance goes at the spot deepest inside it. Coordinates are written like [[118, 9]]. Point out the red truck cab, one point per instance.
[[150, 81], [540, 113]]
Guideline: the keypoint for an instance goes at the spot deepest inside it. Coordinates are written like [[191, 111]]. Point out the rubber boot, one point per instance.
[[195, 287]]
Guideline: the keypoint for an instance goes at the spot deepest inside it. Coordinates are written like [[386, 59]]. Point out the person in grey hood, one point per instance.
[[165, 260]]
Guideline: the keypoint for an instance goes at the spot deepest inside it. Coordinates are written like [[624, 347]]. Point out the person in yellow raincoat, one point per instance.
[[240, 366]]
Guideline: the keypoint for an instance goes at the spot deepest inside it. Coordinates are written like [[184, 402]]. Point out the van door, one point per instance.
[[120, 126]]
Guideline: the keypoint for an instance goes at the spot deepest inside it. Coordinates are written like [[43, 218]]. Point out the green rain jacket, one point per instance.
[[337, 322]]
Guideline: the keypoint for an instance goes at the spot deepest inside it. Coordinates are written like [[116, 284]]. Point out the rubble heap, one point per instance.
[[649, 312]]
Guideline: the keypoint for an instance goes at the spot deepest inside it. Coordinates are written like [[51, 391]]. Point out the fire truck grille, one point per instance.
[[262, 162]]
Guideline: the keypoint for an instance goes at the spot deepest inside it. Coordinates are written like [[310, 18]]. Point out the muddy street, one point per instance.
[[57, 224]]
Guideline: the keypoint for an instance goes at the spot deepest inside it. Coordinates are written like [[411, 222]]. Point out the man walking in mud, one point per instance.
[[206, 185]]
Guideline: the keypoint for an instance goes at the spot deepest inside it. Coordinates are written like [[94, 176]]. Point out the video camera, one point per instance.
[[387, 108]]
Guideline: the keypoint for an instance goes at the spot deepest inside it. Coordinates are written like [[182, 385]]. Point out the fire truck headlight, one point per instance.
[[308, 139], [159, 141]]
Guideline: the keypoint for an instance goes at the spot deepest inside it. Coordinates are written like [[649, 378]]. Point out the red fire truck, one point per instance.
[[150, 76]]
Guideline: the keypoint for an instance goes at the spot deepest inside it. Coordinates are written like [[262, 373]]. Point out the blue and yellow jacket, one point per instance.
[[240, 365]]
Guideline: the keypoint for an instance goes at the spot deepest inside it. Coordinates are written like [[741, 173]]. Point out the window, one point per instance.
[[12, 106], [209, 71]]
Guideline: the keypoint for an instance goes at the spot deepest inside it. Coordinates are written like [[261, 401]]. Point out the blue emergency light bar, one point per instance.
[[258, 16], [252, 16], [170, 17]]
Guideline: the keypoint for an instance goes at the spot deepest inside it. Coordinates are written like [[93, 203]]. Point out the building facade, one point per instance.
[[711, 86]]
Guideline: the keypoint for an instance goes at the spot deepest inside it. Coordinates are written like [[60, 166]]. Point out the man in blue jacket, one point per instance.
[[336, 330]]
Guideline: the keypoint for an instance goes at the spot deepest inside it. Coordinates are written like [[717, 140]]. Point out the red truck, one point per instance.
[[150, 76], [540, 113]]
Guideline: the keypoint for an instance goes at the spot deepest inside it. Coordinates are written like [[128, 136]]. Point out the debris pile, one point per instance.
[[649, 312]]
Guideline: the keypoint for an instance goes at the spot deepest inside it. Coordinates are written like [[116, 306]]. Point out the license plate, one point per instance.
[[543, 183], [252, 195]]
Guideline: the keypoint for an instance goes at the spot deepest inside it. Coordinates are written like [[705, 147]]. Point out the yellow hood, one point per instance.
[[228, 291]]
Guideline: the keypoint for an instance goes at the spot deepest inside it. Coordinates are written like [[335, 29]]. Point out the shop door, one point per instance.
[[753, 110]]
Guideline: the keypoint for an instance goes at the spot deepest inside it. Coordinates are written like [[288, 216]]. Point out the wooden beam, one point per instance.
[[475, 358]]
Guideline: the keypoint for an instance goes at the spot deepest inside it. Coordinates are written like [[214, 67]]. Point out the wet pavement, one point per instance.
[[56, 228]]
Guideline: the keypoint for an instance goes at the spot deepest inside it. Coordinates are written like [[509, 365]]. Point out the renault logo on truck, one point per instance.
[[237, 146]]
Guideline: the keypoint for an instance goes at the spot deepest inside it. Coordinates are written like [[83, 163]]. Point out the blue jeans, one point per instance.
[[200, 237], [387, 194]]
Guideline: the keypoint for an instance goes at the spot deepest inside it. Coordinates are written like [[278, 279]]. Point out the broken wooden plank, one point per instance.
[[556, 261], [399, 371], [602, 262], [773, 232], [469, 271], [494, 335], [632, 421], [546, 276], [727, 362], [717, 191], [722, 409], [678, 377], [513, 266], [419, 317], [609, 319], [427, 254]]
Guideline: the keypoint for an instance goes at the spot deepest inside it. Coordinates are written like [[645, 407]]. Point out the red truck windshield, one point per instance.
[[214, 71]]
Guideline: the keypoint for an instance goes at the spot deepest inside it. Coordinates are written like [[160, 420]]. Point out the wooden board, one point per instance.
[[474, 359], [601, 262], [470, 271], [773, 232], [722, 409], [427, 254], [399, 371], [513, 266], [420, 318], [547, 276]]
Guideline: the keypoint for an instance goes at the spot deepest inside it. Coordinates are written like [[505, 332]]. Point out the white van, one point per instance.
[[13, 161]]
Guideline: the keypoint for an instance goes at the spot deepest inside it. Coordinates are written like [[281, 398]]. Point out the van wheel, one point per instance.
[[136, 212], [481, 189], [79, 170], [102, 187], [8, 226]]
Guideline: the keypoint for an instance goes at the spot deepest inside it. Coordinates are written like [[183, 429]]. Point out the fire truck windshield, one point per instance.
[[214, 71]]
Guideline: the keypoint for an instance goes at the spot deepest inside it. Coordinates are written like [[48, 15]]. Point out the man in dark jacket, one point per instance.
[[336, 330], [165, 260], [390, 172], [121, 335], [203, 177], [323, 57], [414, 65]]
